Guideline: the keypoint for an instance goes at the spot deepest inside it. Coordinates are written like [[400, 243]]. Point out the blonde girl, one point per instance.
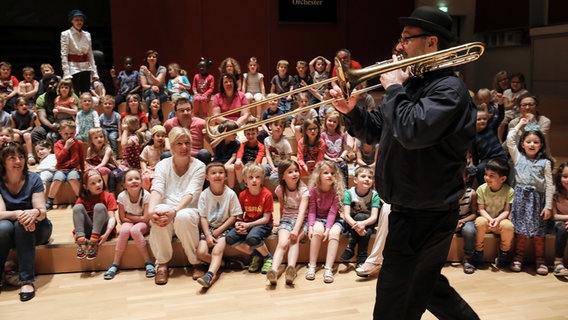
[[93, 215], [155, 114], [178, 85], [311, 147], [131, 142], [87, 117], [151, 154], [292, 195], [335, 141], [65, 104], [100, 157], [326, 188], [532, 204], [253, 84], [132, 209]]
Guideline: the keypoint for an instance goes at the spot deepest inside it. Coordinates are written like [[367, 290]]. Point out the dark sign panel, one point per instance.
[[307, 11]]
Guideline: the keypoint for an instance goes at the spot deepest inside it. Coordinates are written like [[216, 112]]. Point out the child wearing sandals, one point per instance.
[[218, 210], [534, 190], [466, 224], [132, 209], [560, 212], [255, 225], [292, 195], [323, 216], [93, 213]]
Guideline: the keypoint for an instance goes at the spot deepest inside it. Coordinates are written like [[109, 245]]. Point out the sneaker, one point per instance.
[[502, 260], [205, 280], [271, 276], [516, 266], [347, 254], [254, 265], [150, 270], [266, 266], [477, 259], [311, 273], [92, 251], [81, 252], [290, 274]]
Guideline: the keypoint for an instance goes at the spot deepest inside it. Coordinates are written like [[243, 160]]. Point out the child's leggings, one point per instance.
[[520, 247], [84, 225], [136, 230]]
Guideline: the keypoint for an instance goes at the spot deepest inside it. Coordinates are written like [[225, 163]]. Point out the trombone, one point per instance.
[[350, 78]]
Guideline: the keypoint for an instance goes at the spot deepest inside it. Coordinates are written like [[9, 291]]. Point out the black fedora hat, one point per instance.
[[76, 13], [430, 19]]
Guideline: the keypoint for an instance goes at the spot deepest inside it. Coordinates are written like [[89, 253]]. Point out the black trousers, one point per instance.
[[410, 281], [81, 82]]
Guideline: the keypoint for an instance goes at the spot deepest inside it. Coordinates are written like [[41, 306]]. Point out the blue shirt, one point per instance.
[[23, 199]]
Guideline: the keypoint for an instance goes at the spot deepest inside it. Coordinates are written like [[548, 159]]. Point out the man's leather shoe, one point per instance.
[[161, 276]]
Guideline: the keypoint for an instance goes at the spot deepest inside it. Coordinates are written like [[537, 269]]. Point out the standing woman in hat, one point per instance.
[[77, 60], [424, 126]]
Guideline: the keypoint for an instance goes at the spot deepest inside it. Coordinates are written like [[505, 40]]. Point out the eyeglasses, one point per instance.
[[404, 40], [528, 104]]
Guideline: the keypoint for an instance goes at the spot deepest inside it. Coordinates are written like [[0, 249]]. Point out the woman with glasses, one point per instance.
[[528, 104], [23, 220]]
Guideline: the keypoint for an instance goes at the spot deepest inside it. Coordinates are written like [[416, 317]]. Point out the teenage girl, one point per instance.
[[532, 204], [293, 196], [151, 154], [326, 186], [311, 148], [335, 141], [203, 86], [93, 215], [132, 208], [100, 157], [560, 213]]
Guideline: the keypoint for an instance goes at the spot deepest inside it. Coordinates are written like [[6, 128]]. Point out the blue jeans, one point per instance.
[[468, 232], [13, 235], [254, 238], [272, 177], [112, 136]]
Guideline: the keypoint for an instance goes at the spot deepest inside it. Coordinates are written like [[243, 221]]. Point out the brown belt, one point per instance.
[[77, 58]]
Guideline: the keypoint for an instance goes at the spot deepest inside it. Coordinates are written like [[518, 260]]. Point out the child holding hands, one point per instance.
[[255, 225], [323, 216], [218, 210], [132, 209], [293, 196], [533, 192]]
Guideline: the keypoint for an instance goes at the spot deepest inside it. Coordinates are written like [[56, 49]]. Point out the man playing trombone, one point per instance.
[[424, 126]]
